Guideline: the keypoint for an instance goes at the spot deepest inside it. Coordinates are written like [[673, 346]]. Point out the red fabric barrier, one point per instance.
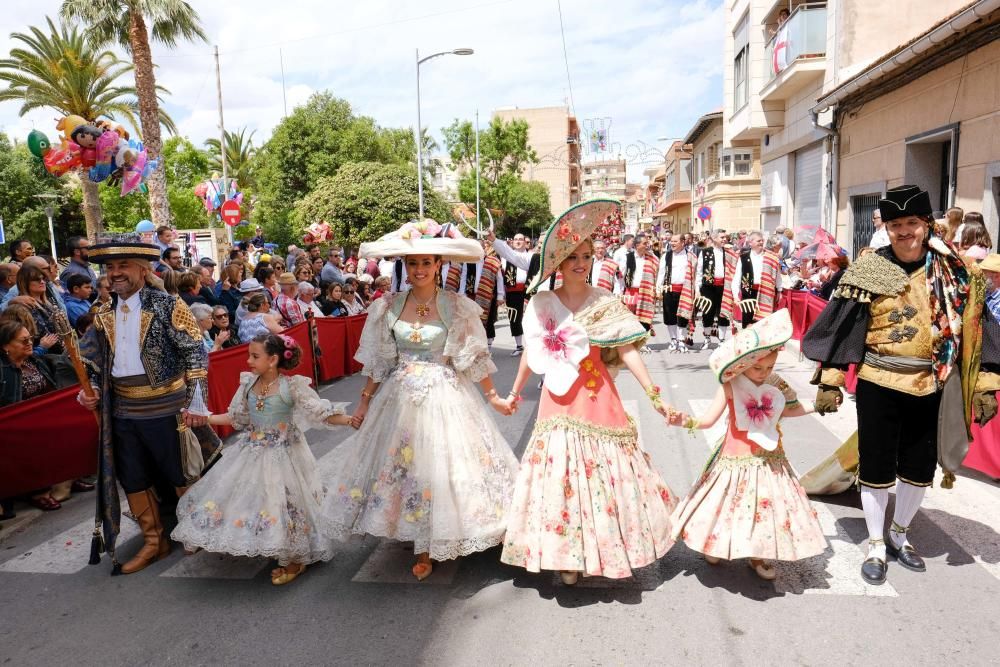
[[984, 450], [46, 440], [224, 368], [355, 324], [332, 334]]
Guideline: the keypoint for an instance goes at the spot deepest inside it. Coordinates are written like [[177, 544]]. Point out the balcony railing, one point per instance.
[[803, 35]]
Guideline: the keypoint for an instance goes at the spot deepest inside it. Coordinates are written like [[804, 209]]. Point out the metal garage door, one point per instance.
[[808, 186]]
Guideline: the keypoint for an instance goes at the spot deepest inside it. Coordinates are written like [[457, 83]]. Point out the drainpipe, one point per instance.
[[833, 181]]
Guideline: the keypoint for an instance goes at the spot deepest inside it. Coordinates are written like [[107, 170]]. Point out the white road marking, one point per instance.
[[66, 553], [391, 563], [837, 570]]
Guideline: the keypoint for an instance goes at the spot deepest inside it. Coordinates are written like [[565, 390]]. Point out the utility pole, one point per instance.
[[284, 98], [222, 140], [478, 224]]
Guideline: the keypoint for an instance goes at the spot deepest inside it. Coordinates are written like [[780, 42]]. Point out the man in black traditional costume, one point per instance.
[[147, 359], [911, 316]]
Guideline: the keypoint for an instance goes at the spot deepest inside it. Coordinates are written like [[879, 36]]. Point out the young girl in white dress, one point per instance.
[[748, 502], [263, 496]]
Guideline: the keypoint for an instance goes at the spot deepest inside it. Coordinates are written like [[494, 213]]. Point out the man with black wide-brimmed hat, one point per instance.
[[148, 361], [911, 316]]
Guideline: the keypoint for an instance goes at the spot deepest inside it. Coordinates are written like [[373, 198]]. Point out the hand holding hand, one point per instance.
[[358, 418], [500, 405], [193, 421], [828, 398]]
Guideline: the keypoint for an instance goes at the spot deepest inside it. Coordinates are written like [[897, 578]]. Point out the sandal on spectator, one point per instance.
[[45, 503], [80, 485]]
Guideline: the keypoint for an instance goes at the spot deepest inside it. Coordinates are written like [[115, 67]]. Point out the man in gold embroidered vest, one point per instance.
[[911, 316], [148, 362]]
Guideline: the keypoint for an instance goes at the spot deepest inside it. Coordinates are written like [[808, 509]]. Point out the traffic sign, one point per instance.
[[230, 212], [704, 213]]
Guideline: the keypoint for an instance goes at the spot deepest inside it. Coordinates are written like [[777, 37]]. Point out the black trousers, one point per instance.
[[671, 301], [748, 318], [147, 450], [714, 314], [897, 436], [491, 321], [515, 312]]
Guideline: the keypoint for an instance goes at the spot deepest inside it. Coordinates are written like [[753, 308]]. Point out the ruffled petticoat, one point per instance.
[[750, 506], [262, 498], [428, 466], [587, 499]]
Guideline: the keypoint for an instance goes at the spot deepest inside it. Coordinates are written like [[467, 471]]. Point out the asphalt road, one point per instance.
[[365, 608]]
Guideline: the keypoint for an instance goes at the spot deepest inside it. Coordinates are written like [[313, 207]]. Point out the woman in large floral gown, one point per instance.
[[428, 464], [587, 497]]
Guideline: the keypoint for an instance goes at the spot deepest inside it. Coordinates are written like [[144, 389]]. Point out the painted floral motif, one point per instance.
[[555, 344], [420, 377], [757, 410], [205, 515]]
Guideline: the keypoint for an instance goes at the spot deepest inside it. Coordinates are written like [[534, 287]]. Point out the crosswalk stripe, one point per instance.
[[66, 553], [208, 565], [835, 572]]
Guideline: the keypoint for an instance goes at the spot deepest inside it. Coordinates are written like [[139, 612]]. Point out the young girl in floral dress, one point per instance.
[[263, 496], [748, 503], [587, 498]]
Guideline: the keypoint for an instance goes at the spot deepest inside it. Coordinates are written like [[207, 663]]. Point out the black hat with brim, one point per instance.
[[106, 252], [904, 201]]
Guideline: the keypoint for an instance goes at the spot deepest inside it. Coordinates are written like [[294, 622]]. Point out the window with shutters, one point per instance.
[[741, 63]]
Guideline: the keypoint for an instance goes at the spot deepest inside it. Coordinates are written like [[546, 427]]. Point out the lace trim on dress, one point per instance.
[[438, 549], [624, 437], [749, 460]]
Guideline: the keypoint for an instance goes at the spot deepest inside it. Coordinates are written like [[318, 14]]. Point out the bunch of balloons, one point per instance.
[[211, 193], [100, 152]]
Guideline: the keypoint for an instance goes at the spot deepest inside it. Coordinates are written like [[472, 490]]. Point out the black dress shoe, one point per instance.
[[906, 556], [873, 571]]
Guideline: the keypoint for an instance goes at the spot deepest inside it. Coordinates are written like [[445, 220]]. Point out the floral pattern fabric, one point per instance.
[[428, 464], [263, 496], [749, 506]]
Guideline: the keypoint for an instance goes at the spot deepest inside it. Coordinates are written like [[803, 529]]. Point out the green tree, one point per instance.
[[130, 24], [503, 154], [240, 153], [311, 144], [59, 70], [23, 214], [365, 200]]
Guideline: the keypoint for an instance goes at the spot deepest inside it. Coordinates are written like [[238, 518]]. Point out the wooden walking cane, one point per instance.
[[72, 346]]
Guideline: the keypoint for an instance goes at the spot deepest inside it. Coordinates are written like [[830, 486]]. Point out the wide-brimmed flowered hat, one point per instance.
[[568, 231], [743, 350], [425, 237], [106, 252], [904, 201]]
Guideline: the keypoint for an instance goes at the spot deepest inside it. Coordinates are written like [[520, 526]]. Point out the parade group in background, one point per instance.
[[427, 463]]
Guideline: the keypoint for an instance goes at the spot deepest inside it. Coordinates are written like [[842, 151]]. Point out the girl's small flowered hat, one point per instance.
[[743, 350], [568, 231]]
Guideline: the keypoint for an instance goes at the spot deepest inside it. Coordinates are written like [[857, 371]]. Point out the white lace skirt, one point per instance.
[[428, 466], [262, 498]]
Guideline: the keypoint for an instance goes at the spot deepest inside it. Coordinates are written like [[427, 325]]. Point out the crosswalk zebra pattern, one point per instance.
[[969, 514]]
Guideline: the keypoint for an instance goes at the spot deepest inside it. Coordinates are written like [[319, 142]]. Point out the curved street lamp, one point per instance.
[[420, 151]]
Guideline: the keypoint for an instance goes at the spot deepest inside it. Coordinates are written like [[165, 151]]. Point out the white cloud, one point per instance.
[[653, 66]]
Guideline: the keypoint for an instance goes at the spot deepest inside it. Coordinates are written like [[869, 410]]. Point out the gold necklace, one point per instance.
[[264, 393], [422, 311]]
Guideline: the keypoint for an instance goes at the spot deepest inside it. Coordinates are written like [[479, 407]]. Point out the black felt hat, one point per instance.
[[105, 252], [903, 201]]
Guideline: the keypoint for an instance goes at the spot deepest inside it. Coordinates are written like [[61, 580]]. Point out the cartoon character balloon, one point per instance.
[[317, 232], [38, 143]]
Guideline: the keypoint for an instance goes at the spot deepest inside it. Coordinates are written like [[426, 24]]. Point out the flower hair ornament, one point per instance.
[[290, 345]]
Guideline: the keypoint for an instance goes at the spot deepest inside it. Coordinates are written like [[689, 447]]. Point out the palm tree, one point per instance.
[[60, 70], [240, 153], [124, 22]]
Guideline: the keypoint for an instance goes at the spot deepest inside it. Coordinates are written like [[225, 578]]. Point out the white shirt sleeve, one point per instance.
[[737, 276], [504, 251]]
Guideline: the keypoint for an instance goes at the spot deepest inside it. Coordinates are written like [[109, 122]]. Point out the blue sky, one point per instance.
[[652, 67]]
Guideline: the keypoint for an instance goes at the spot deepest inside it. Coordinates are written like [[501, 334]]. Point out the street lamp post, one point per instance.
[[50, 211], [420, 148]]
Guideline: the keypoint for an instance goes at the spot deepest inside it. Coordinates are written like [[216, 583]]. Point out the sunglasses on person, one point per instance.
[[348, 291], [221, 316]]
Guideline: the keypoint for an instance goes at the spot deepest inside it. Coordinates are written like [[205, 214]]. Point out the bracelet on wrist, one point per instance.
[[515, 395], [691, 424], [491, 394], [653, 392], [367, 394]]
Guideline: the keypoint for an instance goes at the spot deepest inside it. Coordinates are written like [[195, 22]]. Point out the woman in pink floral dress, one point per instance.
[[748, 503], [587, 498]]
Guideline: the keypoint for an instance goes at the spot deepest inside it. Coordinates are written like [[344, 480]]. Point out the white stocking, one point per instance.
[[672, 330], [908, 499], [518, 342], [874, 502]]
